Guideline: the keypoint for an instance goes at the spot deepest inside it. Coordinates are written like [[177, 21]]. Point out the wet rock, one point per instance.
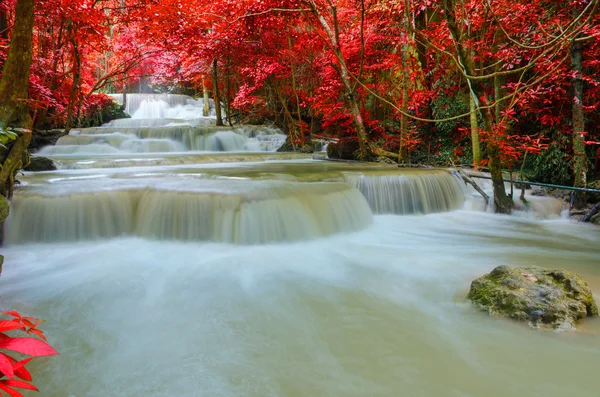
[[345, 149], [385, 160], [288, 147], [542, 297], [41, 138], [37, 164], [594, 197]]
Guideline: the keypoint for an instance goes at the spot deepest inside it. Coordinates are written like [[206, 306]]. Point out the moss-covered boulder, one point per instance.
[[541, 297]]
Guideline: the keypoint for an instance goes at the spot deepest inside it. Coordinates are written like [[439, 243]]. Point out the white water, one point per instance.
[[129, 258], [165, 124], [374, 313]]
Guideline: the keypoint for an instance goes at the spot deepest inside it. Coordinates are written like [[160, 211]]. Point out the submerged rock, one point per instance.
[[541, 297], [40, 164]]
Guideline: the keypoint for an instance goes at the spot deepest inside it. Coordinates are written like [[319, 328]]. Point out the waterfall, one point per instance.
[[167, 139], [409, 192], [134, 101], [244, 212]]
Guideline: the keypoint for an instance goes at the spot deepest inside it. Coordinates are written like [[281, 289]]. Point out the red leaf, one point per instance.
[[9, 325], [23, 373], [38, 333], [12, 314], [11, 392], [31, 347], [20, 384], [6, 367]]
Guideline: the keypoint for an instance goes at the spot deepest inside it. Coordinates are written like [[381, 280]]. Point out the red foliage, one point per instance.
[[12, 368]]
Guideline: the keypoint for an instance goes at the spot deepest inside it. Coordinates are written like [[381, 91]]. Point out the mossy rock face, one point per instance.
[[4, 209], [594, 197], [541, 297], [37, 164]]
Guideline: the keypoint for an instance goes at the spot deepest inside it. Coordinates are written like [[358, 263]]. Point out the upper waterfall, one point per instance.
[[164, 123]]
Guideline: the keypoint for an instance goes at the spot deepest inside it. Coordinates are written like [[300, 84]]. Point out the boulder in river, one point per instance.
[[37, 164], [541, 297]]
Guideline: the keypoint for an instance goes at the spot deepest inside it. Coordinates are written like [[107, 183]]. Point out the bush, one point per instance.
[[99, 109], [553, 166]]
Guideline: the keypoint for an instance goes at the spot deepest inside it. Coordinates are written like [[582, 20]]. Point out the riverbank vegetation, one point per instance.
[[494, 83]]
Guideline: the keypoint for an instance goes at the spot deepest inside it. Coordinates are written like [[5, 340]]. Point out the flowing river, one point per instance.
[[171, 266]]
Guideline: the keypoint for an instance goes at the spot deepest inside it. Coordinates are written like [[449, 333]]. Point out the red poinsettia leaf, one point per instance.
[[6, 367], [9, 325], [20, 384], [8, 390], [28, 346], [12, 313], [38, 333], [20, 364], [23, 373]]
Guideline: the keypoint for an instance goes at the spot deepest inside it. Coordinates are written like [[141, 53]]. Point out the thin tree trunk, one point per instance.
[[579, 156], [75, 86], [475, 141], [206, 109], [402, 152], [216, 93], [503, 203], [295, 89], [15, 74], [366, 151]]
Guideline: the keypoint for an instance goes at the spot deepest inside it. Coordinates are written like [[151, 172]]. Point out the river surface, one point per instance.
[[366, 301]]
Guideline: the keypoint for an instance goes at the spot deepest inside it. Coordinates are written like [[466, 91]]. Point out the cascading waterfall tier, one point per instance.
[[242, 212], [166, 139], [416, 192], [157, 102], [165, 123]]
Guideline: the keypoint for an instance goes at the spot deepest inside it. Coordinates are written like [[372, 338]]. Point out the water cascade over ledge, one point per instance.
[[242, 212], [409, 193]]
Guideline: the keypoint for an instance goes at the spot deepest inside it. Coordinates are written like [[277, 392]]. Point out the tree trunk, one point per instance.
[[206, 109], [16, 159], [216, 93], [579, 156], [402, 152], [74, 87], [504, 203], [15, 74], [366, 151], [475, 141]]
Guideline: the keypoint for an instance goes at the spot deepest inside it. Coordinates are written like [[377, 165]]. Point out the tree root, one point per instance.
[[593, 211], [17, 159]]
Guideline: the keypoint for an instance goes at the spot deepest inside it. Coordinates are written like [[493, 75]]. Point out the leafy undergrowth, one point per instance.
[[13, 372]]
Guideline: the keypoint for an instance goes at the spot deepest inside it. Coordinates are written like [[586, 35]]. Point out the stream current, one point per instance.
[[238, 271]]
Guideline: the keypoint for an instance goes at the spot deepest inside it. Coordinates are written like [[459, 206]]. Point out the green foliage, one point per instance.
[[102, 114], [553, 166], [443, 107], [7, 135]]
